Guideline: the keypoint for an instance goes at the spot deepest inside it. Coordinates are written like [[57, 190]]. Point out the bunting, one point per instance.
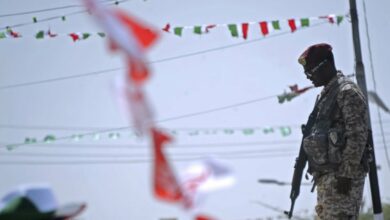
[[294, 92], [132, 37], [292, 24], [235, 30], [283, 131]]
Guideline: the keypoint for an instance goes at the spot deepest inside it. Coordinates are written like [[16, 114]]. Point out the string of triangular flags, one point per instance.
[[294, 92], [265, 27], [42, 34], [284, 131]]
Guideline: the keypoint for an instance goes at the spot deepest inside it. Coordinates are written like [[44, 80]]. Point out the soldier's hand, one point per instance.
[[343, 185]]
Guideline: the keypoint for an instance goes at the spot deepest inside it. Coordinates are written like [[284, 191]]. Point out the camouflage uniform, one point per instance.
[[349, 114]]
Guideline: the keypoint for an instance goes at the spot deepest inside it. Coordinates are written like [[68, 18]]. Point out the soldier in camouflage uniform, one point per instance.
[[337, 141]]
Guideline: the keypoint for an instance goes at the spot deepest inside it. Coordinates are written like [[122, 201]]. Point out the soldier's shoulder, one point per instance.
[[348, 86], [350, 90]]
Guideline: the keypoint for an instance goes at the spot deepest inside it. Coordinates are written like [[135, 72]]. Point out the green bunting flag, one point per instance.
[[86, 35], [101, 34], [339, 19], [198, 29], [2, 35], [29, 140], [268, 130], [275, 25], [285, 131], [248, 131], [233, 30], [35, 20], [63, 18], [49, 138], [305, 22], [178, 31], [40, 35]]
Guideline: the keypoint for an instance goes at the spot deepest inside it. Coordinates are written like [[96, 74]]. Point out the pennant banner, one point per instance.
[[288, 96], [236, 29], [242, 29], [284, 131]]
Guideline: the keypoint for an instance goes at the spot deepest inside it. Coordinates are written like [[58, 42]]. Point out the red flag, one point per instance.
[[167, 27], [51, 34], [330, 18], [203, 217], [75, 37], [144, 35], [294, 88], [291, 23], [138, 71], [264, 28], [208, 27], [13, 33], [165, 184], [245, 27]]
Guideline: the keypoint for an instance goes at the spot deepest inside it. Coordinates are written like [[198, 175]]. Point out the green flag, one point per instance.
[[268, 130], [40, 35], [101, 34], [198, 29], [63, 18], [178, 31], [248, 131], [86, 35], [49, 138], [233, 30], [339, 19], [228, 131], [285, 131], [305, 22], [2, 35], [35, 20], [275, 25]]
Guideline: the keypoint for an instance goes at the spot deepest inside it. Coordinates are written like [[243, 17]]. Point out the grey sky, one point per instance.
[[178, 87]]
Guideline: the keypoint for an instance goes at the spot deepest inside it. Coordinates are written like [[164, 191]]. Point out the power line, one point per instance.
[[54, 17], [374, 82], [143, 155], [127, 161], [153, 62], [136, 161], [86, 128], [47, 9]]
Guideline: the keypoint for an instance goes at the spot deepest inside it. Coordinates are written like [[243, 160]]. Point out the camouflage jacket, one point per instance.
[[350, 115]]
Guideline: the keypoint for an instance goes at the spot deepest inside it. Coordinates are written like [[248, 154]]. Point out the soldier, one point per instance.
[[338, 138]]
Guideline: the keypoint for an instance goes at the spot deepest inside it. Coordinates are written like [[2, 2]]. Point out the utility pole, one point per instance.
[[361, 81]]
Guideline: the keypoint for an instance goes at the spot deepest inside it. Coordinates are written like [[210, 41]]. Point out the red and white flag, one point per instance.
[[165, 185]]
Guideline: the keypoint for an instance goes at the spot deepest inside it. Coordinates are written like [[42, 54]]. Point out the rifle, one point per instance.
[[300, 163]]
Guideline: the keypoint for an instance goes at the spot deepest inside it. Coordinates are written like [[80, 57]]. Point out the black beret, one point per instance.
[[315, 54]]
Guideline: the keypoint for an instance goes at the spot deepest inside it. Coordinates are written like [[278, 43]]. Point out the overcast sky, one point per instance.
[[239, 71]]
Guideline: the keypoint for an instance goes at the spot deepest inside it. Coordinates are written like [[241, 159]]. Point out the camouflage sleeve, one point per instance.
[[354, 112]]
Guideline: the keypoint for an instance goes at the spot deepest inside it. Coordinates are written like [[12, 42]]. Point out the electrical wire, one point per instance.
[[46, 10], [85, 128], [374, 82], [193, 157], [152, 62], [143, 155], [128, 161], [54, 17]]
